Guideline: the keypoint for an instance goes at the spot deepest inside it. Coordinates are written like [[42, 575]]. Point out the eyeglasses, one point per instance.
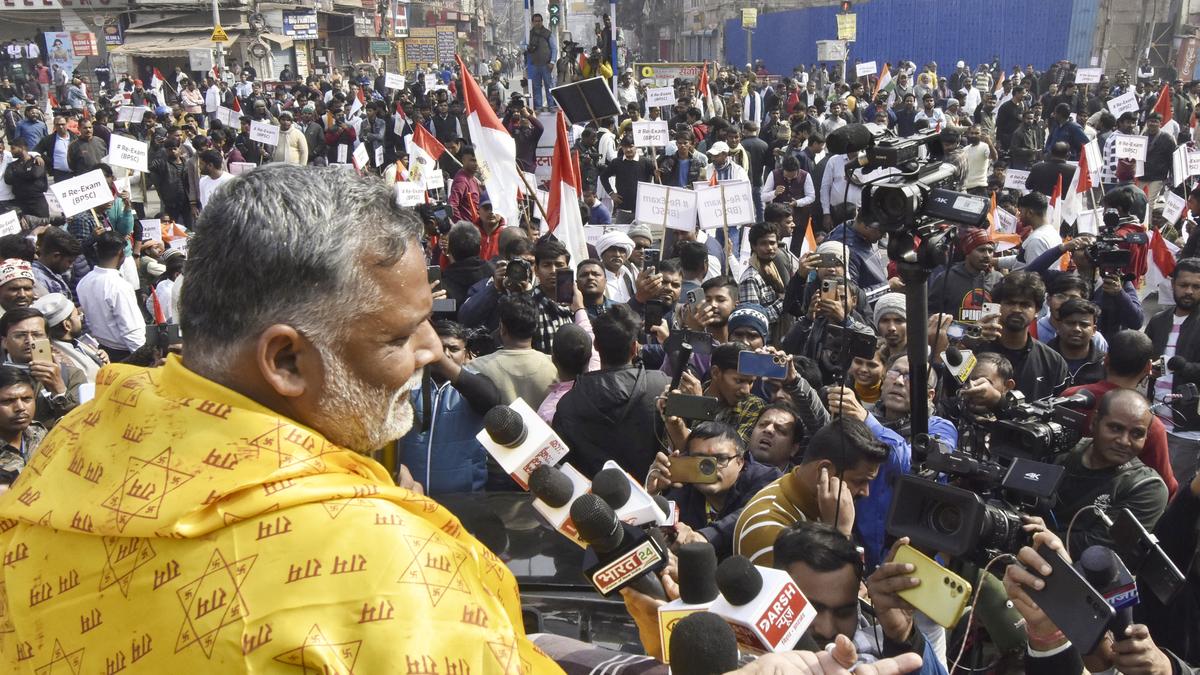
[[898, 374]]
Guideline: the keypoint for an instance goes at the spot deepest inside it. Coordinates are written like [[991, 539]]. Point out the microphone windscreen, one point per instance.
[[597, 523], [697, 573], [1098, 567], [848, 139], [662, 504], [1176, 363], [549, 484], [739, 580], [505, 426], [703, 644], [953, 357], [612, 485]]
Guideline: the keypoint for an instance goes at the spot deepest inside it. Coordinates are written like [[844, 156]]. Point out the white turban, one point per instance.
[[614, 238]]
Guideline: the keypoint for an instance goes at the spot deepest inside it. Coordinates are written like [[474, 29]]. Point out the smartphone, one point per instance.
[[1081, 613], [959, 330], [830, 289], [1140, 551], [700, 470], [698, 408], [691, 297], [772, 366], [88, 341], [564, 286], [829, 260], [41, 351], [433, 273], [991, 308], [942, 595], [654, 313], [445, 306], [651, 257]]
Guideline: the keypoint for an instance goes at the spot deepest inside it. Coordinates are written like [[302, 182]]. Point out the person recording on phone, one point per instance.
[[764, 280], [709, 511], [56, 383], [1120, 307], [827, 263], [1103, 473], [612, 413], [1038, 370]]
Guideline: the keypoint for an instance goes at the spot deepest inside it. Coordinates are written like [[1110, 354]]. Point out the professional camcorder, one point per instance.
[[1038, 429], [1110, 252]]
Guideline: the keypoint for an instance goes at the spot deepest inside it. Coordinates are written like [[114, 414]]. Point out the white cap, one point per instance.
[[960, 64], [718, 147]]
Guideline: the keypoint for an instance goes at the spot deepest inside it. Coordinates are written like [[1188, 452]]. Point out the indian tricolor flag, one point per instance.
[[999, 84], [885, 79], [562, 212], [810, 241], [494, 149], [424, 151]]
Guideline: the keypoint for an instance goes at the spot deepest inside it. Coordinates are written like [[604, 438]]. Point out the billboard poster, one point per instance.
[[60, 51]]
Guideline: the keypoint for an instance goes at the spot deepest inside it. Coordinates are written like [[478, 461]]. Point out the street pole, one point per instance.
[[749, 43], [612, 15], [220, 45]]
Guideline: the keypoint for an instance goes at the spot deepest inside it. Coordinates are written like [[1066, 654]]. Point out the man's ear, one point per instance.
[[288, 362]]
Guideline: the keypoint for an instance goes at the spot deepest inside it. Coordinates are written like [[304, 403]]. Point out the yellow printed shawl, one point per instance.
[[172, 525]]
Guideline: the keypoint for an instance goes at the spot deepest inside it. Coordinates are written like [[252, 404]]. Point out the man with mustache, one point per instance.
[[222, 512], [1039, 370]]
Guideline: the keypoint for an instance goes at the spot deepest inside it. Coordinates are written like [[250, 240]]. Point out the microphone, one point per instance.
[[519, 440], [959, 363], [1183, 370], [850, 138], [763, 606], [554, 488], [626, 496], [702, 644], [618, 555], [697, 589], [1106, 573]]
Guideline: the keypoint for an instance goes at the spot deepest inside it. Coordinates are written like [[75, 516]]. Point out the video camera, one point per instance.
[[842, 345], [435, 215], [1038, 429], [1110, 252]]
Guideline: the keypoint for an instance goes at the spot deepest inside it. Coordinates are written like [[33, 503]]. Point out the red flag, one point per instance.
[[237, 105], [157, 79], [562, 210], [54, 101], [703, 85], [1163, 105], [1083, 174], [428, 142], [494, 147], [87, 114], [712, 180], [159, 318]]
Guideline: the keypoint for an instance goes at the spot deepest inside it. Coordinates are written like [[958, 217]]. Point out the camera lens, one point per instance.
[[946, 518], [708, 466]]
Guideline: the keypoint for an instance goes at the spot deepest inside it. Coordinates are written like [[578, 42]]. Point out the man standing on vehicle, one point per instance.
[[540, 54]]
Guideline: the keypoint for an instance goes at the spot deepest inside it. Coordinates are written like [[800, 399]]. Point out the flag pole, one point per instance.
[[533, 193]]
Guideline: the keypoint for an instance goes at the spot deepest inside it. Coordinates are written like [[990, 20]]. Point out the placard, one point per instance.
[[78, 194], [379, 156], [649, 134], [1193, 162], [666, 206], [393, 80], [131, 114], [123, 185], [1173, 208], [152, 229], [229, 117], [1014, 179], [361, 157], [865, 69], [342, 153], [408, 194], [239, 168], [128, 153], [1124, 103], [1128, 146], [725, 205], [10, 223], [430, 81], [659, 97], [264, 132], [435, 180], [1088, 75], [1006, 223]]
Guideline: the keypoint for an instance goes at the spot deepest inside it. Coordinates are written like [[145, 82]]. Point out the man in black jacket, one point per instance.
[[1158, 156], [1038, 370], [628, 169], [1175, 332], [1045, 175], [759, 154], [686, 166], [612, 413], [169, 174], [465, 268]]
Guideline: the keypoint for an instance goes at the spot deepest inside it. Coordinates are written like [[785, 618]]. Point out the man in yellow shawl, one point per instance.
[[218, 515]]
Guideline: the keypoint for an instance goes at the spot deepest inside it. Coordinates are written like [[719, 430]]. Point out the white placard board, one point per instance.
[[1006, 223], [128, 153], [659, 97], [724, 205], [361, 157], [379, 156], [393, 80], [78, 194], [239, 168], [1193, 162], [152, 229], [342, 153], [1124, 103], [1130, 146], [1014, 179], [131, 114], [123, 185], [430, 81], [10, 223], [864, 69], [229, 117], [180, 244], [264, 132], [666, 206], [1088, 75], [200, 60], [1174, 206], [648, 134], [408, 194]]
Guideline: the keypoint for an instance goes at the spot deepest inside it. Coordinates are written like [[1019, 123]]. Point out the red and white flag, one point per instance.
[[562, 211], [1086, 177], [999, 84], [1161, 266], [1163, 105], [702, 87], [494, 149], [157, 79], [424, 151], [359, 102]]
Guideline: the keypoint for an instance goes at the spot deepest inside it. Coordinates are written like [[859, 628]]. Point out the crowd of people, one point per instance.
[[270, 316]]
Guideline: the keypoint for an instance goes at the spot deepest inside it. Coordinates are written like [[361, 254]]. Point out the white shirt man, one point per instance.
[[32, 51], [209, 185], [111, 308], [1041, 238], [61, 144], [6, 192]]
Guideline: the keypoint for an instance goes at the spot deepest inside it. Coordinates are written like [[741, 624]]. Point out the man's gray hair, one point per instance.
[[463, 237], [289, 245]]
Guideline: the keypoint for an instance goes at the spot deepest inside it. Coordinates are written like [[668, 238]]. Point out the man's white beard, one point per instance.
[[358, 416]]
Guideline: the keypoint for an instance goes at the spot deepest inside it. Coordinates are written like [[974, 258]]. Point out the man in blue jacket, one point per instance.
[[441, 452]]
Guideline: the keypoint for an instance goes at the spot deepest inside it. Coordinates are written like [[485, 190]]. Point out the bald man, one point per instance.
[[1103, 471]]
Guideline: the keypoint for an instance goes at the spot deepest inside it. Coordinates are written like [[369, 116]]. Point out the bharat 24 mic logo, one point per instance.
[[625, 568]]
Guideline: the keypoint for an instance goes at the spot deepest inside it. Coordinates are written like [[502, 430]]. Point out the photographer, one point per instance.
[[1120, 307], [990, 380], [709, 511], [833, 307], [1175, 332], [1038, 370], [1104, 474]]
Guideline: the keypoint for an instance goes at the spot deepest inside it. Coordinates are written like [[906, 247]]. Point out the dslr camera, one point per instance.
[[1110, 252]]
